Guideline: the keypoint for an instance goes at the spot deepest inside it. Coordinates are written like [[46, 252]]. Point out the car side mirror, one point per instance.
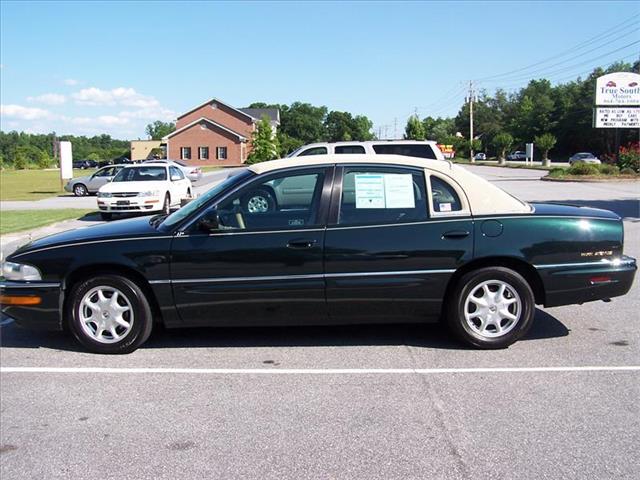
[[210, 221]]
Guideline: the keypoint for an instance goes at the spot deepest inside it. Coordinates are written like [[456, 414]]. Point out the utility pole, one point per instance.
[[471, 121], [395, 128]]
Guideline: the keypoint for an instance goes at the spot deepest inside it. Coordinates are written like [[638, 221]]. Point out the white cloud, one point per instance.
[[128, 97], [24, 113], [49, 99], [156, 113], [71, 82], [109, 120]]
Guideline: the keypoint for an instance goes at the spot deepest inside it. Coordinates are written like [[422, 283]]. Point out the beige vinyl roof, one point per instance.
[[484, 198]]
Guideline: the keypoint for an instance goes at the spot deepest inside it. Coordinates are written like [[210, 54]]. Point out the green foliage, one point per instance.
[[628, 171], [545, 142], [607, 169], [502, 142], [415, 129], [342, 126], [19, 160], [629, 157], [581, 168], [264, 143], [157, 130], [93, 156], [288, 144], [557, 172], [442, 130]]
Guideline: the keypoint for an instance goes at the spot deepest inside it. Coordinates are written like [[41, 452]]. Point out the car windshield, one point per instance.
[[228, 183], [141, 174]]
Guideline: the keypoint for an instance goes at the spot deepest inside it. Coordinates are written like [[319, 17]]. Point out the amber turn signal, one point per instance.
[[19, 300]]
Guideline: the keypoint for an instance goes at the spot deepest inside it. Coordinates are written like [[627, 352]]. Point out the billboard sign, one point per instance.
[[616, 117], [620, 89]]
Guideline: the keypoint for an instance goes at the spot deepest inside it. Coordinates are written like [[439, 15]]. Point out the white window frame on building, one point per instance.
[[203, 153], [185, 153], [221, 153]]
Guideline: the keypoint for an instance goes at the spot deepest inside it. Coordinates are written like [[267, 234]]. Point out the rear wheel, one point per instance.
[[109, 314], [491, 308], [80, 190]]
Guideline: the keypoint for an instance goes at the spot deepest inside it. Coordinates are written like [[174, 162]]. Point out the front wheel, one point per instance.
[[80, 190], [109, 314], [491, 308], [166, 206]]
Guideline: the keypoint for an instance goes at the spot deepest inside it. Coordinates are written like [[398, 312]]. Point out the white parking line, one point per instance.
[[316, 371]]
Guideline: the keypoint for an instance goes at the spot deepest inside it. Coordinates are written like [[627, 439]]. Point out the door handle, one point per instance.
[[300, 244], [455, 234]]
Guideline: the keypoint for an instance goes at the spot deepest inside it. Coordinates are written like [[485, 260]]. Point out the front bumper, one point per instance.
[[33, 304], [129, 204], [587, 282], [68, 187]]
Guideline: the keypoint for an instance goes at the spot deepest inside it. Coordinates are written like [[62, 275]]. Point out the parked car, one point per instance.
[[379, 238], [480, 156], [193, 173], [84, 164], [584, 157], [517, 156], [411, 148], [144, 188], [88, 184]]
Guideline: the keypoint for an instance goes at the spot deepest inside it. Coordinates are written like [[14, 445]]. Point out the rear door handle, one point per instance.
[[455, 234], [300, 244]]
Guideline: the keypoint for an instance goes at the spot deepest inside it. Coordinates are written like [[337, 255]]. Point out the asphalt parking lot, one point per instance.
[[342, 402]]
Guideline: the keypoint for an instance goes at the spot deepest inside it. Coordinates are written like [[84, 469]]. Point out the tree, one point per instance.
[[342, 126], [415, 129], [264, 143], [545, 142], [158, 129], [502, 142]]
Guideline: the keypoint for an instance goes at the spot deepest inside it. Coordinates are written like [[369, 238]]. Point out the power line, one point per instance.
[[615, 29]]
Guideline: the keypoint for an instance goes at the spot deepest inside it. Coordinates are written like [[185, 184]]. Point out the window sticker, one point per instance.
[[369, 191], [444, 207], [398, 189]]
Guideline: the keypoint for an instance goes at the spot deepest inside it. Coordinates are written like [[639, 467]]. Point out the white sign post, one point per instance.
[[529, 152], [66, 162]]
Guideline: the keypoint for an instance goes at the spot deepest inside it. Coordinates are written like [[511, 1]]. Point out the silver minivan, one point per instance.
[[409, 148]]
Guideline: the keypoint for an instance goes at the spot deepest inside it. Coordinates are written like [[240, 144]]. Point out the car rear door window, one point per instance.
[[382, 195], [349, 149], [406, 149]]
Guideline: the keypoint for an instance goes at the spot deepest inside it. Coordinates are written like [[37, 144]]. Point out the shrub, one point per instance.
[[629, 157], [607, 169], [581, 168], [19, 161], [627, 171], [556, 172]]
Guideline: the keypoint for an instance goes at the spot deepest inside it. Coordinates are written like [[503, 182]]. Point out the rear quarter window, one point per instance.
[[409, 150]]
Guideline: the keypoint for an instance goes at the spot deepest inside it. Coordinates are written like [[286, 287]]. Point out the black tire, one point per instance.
[[473, 280], [141, 318], [80, 190], [260, 200], [166, 206], [106, 216]]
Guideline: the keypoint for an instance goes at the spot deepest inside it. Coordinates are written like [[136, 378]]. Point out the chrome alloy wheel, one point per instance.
[[106, 314], [492, 309], [258, 204]]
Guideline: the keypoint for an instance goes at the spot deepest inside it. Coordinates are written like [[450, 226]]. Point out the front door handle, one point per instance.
[[300, 244], [455, 234]]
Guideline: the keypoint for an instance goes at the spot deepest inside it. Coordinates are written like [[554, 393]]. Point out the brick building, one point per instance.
[[215, 133]]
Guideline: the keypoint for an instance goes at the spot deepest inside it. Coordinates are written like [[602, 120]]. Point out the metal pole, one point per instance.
[[471, 122]]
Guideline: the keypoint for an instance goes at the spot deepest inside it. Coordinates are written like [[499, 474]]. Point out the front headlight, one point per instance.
[[149, 193], [20, 272], [104, 195]]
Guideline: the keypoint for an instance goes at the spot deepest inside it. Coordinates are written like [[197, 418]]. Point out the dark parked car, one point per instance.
[[337, 239], [84, 164]]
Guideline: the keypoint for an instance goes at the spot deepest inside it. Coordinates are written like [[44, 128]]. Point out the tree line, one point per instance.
[[559, 117]]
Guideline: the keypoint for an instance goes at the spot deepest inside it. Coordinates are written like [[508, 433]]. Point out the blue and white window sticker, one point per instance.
[[377, 190], [369, 190]]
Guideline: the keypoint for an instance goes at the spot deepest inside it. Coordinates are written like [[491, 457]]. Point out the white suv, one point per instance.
[[409, 148]]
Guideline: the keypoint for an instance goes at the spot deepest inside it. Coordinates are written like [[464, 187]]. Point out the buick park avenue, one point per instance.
[[335, 239]]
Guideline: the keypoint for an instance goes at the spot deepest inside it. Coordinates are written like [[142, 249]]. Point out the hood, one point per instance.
[[572, 211], [128, 228], [115, 187], [82, 179]]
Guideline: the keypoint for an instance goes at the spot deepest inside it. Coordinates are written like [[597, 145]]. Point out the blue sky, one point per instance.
[[89, 67]]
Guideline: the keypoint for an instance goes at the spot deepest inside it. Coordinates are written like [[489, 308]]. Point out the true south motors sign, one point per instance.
[[620, 92]]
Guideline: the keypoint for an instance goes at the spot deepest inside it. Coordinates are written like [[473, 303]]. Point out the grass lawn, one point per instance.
[[17, 220], [210, 169], [32, 184]]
